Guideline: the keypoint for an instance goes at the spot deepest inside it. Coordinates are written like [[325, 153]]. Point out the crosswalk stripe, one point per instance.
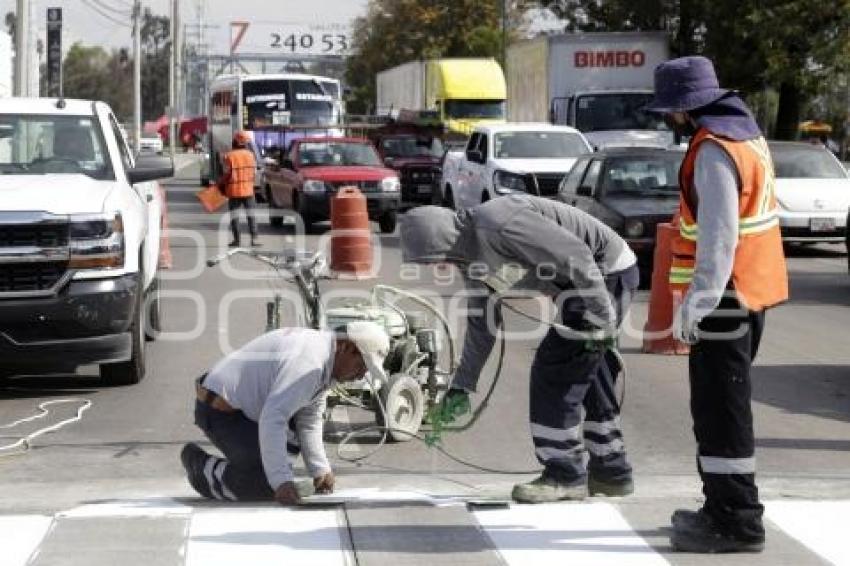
[[261, 537], [820, 525], [590, 534], [149, 507], [20, 536]]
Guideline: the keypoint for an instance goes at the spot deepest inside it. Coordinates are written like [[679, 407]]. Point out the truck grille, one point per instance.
[[548, 183], [33, 235], [417, 175], [364, 186], [30, 277]]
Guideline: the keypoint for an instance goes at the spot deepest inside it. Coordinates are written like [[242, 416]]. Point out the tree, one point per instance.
[[396, 31], [156, 58]]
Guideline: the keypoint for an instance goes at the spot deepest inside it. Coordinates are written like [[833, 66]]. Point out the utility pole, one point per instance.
[[22, 44], [172, 74], [137, 74]]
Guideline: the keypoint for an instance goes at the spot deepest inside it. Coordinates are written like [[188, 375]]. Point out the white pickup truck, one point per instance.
[[80, 224], [500, 159]]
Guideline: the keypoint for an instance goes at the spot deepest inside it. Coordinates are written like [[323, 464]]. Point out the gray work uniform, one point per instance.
[[568, 252], [277, 383]]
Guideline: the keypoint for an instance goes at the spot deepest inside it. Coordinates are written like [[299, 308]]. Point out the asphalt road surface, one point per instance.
[[110, 487]]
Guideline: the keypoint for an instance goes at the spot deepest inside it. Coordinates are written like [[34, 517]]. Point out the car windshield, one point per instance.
[[337, 153], [601, 112], [39, 145], [539, 145], [642, 175], [805, 161], [461, 109], [410, 146]]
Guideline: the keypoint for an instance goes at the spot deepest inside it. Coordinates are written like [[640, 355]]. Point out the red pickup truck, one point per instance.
[[305, 177]]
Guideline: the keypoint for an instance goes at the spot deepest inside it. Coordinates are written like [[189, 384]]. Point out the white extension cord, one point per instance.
[[24, 443]]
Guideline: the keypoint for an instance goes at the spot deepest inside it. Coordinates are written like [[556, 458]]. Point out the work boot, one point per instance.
[[233, 244], [547, 489], [610, 488], [255, 243], [697, 531], [194, 458], [455, 404]]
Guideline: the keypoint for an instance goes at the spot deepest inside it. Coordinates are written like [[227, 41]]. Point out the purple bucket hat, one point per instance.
[[684, 84]]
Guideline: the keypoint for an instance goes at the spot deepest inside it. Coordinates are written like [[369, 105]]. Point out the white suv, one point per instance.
[[79, 241]]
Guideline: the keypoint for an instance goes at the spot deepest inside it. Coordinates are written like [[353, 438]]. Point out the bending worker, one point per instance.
[[237, 184], [728, 262], [265, 402], [523, 242]]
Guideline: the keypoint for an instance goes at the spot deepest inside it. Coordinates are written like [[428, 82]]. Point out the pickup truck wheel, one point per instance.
[[306, 216], [484, 197], [387, 222], [275, 214], [153, 310], [133, 370], [449, 198]]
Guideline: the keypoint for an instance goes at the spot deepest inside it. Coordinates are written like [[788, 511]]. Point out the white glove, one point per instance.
[[684, 329]]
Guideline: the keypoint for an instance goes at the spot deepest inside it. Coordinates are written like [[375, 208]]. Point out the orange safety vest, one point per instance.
[[239, 168], [759, 274]]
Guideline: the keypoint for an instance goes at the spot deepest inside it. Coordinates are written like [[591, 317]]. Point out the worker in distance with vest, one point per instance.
[[237, 184], [728, 268]]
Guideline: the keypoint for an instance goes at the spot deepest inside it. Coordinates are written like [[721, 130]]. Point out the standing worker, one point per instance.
[[237, 184], [524, 242], [728, 267], [266, 401]]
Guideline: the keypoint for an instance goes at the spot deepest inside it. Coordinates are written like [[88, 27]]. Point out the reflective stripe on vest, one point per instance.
[[715, 465]]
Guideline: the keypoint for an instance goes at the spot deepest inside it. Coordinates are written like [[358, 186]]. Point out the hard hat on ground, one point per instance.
[[373, 343]]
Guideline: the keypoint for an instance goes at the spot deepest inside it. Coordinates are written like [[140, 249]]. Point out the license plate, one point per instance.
[[423, 189], [822, 224]]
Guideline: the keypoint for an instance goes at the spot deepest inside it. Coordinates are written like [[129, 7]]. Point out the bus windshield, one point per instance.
[[281, 102], [465, 109]]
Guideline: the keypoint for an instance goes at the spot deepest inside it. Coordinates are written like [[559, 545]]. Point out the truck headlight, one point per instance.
[[96, 241], [506, 182], [390, 185], [634, 228], [314, 186]]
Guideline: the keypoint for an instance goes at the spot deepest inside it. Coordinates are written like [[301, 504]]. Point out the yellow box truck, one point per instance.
[[463, 92]]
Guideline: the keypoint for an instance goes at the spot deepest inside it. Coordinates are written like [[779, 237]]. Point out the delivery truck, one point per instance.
[[462, 92], [597, 83]]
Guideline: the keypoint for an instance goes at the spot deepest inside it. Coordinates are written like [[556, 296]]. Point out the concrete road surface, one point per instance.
[[110, 488]]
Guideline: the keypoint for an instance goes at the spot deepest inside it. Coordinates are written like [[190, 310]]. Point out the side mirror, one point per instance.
[[475, 156], [151, 168], [584, 191]]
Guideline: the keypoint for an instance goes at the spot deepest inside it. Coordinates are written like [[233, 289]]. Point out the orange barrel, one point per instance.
[[351, 234], [658, 332]]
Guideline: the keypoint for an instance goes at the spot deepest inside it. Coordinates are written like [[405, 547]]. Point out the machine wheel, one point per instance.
[[404, 403], [153, 311], [387, 222], [133, 370]]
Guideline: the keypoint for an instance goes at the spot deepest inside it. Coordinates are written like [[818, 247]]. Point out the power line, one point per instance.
[[103, 4], [104, 14]]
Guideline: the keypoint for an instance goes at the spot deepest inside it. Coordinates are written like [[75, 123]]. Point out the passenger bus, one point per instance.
[[252, 102]]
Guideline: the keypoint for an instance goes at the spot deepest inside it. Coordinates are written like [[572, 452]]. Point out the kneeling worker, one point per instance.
[[525, 242], [265, 402]]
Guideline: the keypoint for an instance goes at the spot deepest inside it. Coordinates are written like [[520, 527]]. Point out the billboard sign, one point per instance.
[[54, 52]]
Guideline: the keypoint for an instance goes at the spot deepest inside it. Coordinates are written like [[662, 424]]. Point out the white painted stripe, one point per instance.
[[149, 507], [820, 525], [261, 537], [20, 536], [714, 465], [556, 434], [590, 534]]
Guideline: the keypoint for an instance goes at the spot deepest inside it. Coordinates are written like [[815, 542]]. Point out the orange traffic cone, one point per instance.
[[351, 234], [658, 332]]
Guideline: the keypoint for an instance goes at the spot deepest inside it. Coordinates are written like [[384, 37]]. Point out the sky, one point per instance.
[[98, 22]]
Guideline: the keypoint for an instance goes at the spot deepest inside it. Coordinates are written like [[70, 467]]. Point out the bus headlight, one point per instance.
[[96, 241]]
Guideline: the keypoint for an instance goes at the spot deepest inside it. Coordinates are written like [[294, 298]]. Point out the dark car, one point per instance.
[[416, 159], [630, 189]]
